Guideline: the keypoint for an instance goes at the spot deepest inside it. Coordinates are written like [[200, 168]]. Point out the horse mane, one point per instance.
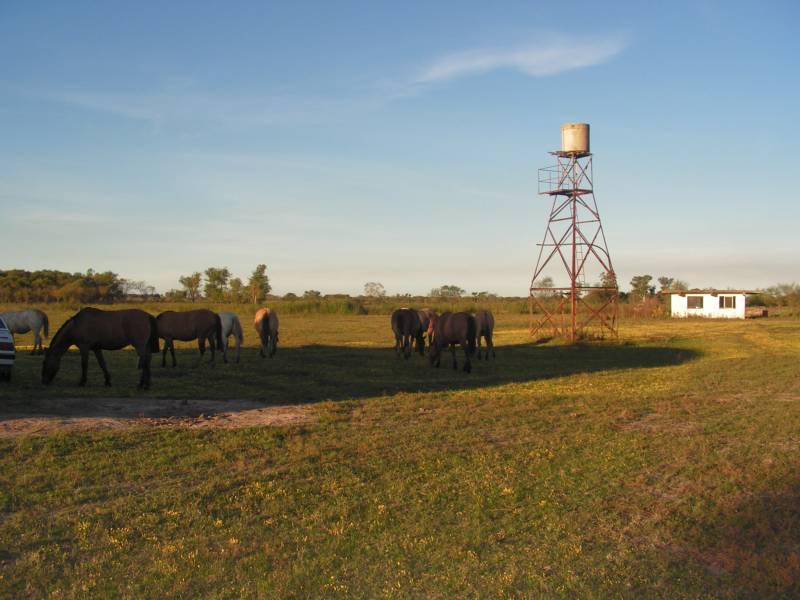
[[55, 338]]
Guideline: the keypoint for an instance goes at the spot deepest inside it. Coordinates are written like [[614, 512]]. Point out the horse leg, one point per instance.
[[144, 365], [274, 337], [164, 356], [84, 365], [172, 353], [479, 346], [453, 351], [98, 353], [213, 347], [238, 348], [467, 362], [37, 341], [490, 346]]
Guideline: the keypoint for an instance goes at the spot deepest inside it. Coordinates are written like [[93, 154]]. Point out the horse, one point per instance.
[[201, 325], [425, 320], [406, 326], [97, 330], [31, 319], [231, 326], [449, 329], [484, 327], [266, 324]]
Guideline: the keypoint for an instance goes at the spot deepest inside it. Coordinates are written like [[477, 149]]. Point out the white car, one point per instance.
[[7, 352]]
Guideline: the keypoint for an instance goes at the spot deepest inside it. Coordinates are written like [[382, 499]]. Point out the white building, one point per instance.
[[713, 304]]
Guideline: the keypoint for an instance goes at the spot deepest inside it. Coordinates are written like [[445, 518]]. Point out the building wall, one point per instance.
[[711, 309]]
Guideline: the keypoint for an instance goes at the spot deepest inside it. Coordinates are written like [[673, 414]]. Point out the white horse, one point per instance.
[[23, 321], [231, 326]]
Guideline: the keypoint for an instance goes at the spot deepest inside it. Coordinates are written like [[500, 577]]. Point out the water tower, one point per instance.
[[573, 290]]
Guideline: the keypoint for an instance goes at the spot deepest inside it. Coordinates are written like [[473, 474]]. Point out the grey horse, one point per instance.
[[31, 319], [231, 326]]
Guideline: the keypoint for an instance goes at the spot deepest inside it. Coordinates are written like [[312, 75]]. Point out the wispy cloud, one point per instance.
[[538, 59]]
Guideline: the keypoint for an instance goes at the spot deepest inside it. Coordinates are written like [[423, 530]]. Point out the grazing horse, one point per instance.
[[201, 325], [266, 324], [97, 330], [231, 327], [484, 328], [407, 327], [425, 320], [23, 321], [450, 329]]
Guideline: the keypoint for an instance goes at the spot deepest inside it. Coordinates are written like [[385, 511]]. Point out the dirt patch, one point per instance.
[[46, 417]]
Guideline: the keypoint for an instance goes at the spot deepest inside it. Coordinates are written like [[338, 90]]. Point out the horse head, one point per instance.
[[50, 366]]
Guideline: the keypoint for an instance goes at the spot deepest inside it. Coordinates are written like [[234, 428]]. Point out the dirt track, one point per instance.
[[45, 417]]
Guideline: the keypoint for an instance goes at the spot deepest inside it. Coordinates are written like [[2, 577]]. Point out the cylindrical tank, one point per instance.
[[575, 137]]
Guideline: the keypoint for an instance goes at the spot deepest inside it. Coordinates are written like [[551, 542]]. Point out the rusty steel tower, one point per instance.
[[573, 292]]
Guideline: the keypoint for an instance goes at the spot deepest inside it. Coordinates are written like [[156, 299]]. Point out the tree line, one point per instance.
[[217, 284]]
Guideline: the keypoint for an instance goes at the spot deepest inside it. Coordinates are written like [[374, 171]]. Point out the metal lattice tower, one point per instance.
[[574, 245]]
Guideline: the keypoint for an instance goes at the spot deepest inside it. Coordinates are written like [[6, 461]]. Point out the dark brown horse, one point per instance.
[[98, 330], [200, 325], [484, 328], [407, 328], [450, 329]]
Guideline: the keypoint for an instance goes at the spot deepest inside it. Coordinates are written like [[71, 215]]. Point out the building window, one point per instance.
[[727, 301], [694, 302]]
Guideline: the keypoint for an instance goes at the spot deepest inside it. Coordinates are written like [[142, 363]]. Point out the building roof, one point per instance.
[[710, 291]]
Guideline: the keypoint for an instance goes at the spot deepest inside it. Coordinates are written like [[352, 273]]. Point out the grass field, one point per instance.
[[662, 465]]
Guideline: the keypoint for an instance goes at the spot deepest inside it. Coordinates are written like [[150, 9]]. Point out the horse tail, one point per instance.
[[46, 323], [218, 330], [153, 341]]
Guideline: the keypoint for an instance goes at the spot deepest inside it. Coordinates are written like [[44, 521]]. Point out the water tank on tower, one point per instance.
[[575, 138]]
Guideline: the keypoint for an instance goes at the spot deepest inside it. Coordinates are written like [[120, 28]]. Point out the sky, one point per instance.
[[341, 143]]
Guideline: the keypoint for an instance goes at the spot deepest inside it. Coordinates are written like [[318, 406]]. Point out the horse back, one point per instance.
[[113, 329], [186, 325]]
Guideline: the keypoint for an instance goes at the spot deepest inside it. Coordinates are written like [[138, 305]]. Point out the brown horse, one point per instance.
[[407, 328], [450, 329], [266, 324], [200, 325], [98, 330], [484, 328]]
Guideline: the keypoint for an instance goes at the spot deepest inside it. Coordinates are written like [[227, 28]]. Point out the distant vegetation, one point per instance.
[[218, 286]]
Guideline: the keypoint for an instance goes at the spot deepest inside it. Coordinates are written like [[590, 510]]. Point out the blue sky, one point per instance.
[[345, 143]]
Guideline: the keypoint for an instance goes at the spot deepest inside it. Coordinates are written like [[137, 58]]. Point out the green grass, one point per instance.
[[661, 465]]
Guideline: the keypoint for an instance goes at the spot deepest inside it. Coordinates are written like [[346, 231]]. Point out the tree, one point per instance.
[[312, 295], [290, 296], [448, 291], [544, 282], [237, 290], [640, 286], [216, 283], [373, 289], [680, 285], [258, 285], [191, 285], [665, 283]]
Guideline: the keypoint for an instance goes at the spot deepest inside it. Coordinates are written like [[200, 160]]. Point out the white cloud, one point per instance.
[[538, 59]]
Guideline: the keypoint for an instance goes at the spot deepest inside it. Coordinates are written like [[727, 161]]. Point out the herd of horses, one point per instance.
[[412, 327], [94, 330]]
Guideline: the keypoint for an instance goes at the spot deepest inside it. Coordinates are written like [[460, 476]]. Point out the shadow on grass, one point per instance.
[[310, 374]]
